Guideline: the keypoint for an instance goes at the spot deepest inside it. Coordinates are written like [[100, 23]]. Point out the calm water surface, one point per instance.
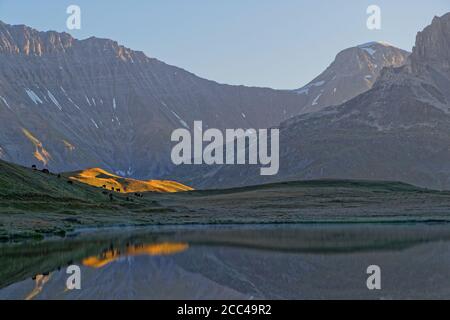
[[234, 262]]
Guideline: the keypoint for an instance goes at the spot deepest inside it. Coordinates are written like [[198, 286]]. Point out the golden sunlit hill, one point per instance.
[[100, 178]]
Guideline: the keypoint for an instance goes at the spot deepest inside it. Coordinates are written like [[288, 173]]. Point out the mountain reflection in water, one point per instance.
[[162, 249], [40, 281], [234, 262]]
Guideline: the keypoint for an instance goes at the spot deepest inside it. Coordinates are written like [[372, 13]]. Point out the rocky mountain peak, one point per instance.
[[433, 44], [23, 40], [20, 39], [369, 58], [353, 72]]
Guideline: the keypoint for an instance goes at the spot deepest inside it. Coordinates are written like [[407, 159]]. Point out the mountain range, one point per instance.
[[70, 104], [398, 130]]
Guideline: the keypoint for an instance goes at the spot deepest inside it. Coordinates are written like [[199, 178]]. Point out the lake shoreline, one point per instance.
[[34, 216], [73, 232]]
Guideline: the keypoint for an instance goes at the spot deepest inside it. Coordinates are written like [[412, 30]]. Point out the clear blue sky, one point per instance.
[[272, 43]]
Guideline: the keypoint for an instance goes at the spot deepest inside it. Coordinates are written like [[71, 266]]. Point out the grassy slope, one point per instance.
[[33, 190], [98, 178], [34, 204]]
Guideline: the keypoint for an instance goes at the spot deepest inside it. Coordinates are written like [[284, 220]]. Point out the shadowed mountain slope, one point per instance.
[[71, 104], [398, 130]]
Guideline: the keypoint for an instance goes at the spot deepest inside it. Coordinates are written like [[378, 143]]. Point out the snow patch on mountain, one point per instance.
[[370, 46], [316, 100], [369, 50], [305, 89], [76, 106], [33, 96], [5, 102], [182, 122], [95, 123], [52, 97]]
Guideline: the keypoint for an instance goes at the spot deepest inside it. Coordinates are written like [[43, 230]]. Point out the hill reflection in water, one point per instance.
[[234, 262]]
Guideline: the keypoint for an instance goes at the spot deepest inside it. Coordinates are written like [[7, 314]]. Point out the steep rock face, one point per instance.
[[398, 130], [69, 104], [433, 44], [353, 72]]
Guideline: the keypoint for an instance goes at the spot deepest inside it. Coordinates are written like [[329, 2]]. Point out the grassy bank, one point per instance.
[[34, 204]]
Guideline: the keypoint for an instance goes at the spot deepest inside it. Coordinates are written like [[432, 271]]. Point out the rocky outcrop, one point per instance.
[[433, 45]]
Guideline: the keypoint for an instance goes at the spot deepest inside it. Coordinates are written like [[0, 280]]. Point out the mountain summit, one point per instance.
[[353, 72]]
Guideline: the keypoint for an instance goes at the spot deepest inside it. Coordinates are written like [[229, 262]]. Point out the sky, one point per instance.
[[281, 44]]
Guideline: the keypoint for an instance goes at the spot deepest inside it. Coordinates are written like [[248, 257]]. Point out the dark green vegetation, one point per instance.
[[35, 204]]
